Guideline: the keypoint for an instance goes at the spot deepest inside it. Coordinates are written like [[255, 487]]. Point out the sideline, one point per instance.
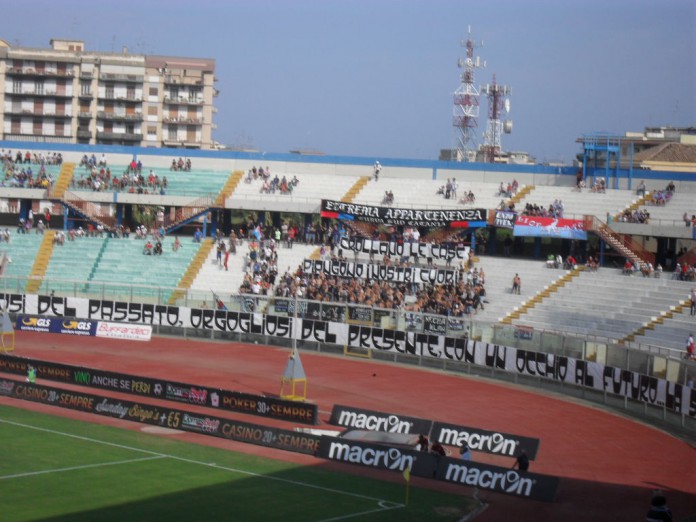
[[74, 468], [381, 502]]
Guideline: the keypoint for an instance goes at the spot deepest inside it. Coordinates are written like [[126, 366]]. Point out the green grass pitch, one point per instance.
[[57, 469]]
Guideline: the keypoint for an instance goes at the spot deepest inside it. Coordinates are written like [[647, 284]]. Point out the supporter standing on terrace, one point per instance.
[[378, 169], [689, 347], [693, 301], [516, 284]]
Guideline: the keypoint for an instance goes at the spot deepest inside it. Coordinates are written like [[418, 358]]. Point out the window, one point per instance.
[[194, 94], [17, 86], [174, 93], [109, 92], [86, 88], [171, 132], [154, 91], [152, 110], [39, 87]]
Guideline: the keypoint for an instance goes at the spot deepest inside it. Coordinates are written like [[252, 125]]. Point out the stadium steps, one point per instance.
[[67, 171], [541, 295], [43, 257], [635, 205], [684, 304], [635, 252], [192, 270], [521, 194], [316, 255], [229, 188], [100, 254], [353, 191]]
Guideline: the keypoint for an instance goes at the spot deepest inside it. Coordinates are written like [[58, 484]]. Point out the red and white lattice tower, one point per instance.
[[466, 104], [498, 108]]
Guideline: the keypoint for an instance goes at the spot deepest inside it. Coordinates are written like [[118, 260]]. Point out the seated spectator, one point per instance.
[[147, 249], [158, 248], [177, 244]]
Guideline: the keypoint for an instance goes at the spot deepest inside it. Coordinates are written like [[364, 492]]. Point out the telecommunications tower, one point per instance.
[[498, 103], [466, 104]]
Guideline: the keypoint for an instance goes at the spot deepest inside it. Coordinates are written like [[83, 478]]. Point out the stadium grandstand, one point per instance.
[[593, 262]]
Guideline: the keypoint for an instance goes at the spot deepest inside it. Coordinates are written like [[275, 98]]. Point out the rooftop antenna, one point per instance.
[[466, 102], [498, 108]]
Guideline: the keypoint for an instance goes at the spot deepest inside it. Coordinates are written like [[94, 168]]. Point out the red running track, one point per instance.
[[608, 464]]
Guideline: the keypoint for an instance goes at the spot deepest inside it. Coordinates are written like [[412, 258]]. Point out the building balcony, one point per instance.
[[43, 73], [182, 121], [181, 144], [182, 100], [127, 78], [38, 138], [127, 97], [85, 95], [43, 94], [85, 115], [181, 80], [84, 133], [119, 136], [33, 113], [111, 116]]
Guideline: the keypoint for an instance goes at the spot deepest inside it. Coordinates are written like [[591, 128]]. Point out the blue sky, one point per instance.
[[375, 78]]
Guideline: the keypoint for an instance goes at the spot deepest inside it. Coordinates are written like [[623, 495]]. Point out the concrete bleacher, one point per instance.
[[122, 262], [22, 250], [73, 261], [193, 183], [672, 333], [499, 273], [423, 193], [577, 204], [605, 304], [672, 213], [214, 278], [311, 189]]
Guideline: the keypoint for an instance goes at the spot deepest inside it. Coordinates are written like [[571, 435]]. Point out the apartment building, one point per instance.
[[66, 94]]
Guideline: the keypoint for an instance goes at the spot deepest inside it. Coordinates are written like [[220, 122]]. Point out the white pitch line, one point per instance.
[[215, 466], [74, 468], [353, 515]]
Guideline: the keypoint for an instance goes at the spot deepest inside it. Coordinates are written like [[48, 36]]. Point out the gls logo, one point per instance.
[[77, 325], [36, 321]]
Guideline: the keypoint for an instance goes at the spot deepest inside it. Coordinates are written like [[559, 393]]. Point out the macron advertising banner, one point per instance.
[[656, 391], [534, 226], [454, 218], [485, 441], [423, 464]]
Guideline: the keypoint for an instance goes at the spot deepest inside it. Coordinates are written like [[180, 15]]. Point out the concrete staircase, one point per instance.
[[541, 295], [683, 305], [67, 171], [353, 191], [192, 271], [229, 188], [38, 270], [520, 195]]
